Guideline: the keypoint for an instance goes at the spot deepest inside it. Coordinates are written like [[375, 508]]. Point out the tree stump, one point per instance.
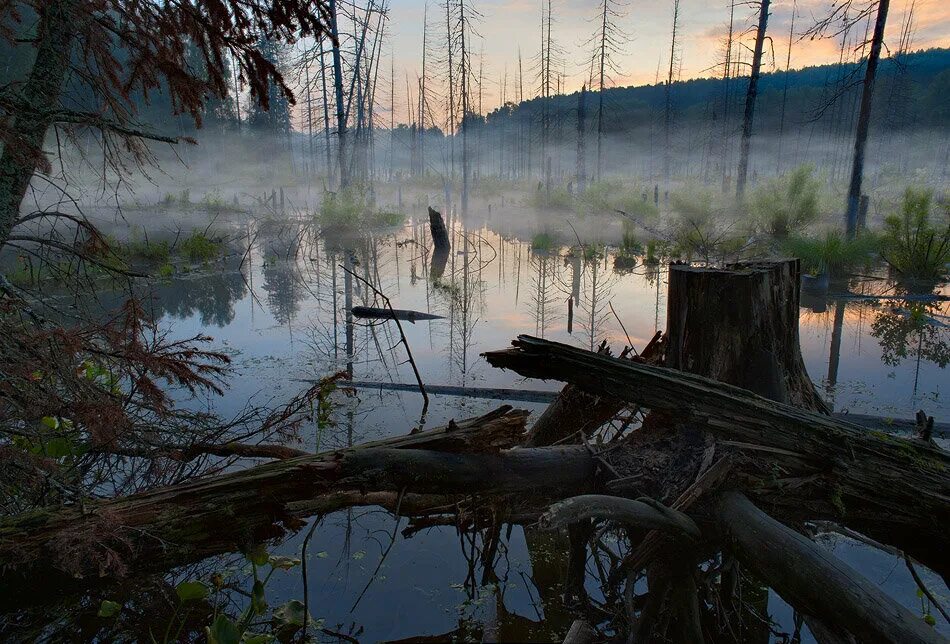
[[739, 325], [440, 238]]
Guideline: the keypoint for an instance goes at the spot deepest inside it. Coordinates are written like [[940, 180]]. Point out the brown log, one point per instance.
[[577, 412], [174, 525], [813, 579], [893, 489]]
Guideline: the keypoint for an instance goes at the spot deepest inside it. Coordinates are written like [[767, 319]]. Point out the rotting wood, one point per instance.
[[894, 489], [578, 412], [440, 239], [187, 516], [739, 325], [814, 579]]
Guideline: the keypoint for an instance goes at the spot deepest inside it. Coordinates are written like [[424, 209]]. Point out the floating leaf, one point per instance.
[[223, 631], [323, 554], [50, 421], [284, 563], [359, 554], [930, 620], [191, 591], [109, 608], [290, 614]]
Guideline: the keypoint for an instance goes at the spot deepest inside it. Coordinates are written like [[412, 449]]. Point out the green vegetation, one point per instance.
[[912, 244], [611, 196], [831, 252], [557, 198], [786, 205], [200, 248], [351, 208], [143, 250], [629, 244], [544, 241]]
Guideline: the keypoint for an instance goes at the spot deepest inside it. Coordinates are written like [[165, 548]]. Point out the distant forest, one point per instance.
[[912, 91]]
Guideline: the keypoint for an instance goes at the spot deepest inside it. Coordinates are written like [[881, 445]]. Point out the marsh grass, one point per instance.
[[914, 245], [786, 205], [831, 253], [199, 248]]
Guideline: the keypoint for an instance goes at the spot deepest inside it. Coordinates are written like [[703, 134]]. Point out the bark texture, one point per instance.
[[739, 325]]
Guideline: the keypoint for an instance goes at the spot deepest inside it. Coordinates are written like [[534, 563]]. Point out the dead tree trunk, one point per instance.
[[751, 94], [864, 120], [739, 325], [440, 239]]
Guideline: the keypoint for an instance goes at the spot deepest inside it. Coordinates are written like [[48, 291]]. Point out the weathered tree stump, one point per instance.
[[739, 325]]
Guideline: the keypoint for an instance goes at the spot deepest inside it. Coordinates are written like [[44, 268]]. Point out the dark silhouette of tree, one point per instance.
[[80, 40]]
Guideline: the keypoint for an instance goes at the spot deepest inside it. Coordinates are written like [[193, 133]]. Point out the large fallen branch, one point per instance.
[[813, 579], [170, 526], [894, 489]]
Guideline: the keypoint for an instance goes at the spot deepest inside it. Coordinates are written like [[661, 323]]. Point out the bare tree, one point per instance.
[[608, 41], [751, 94], [82, 39], [668, 103]]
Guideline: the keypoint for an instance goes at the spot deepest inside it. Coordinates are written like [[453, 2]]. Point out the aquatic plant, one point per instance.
[[543, 241], [786, 205], [831, 252], [913, 245], [200, 248], [629, 244], [557, 198], [144, 250]]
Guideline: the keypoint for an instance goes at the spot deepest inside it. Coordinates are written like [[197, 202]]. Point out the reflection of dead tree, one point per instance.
[[402, 336]]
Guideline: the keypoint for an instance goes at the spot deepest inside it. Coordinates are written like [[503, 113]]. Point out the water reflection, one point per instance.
[[212, 295], [489, 288]]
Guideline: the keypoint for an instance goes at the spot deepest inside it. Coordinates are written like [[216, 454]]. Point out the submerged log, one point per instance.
[[893, 489], [813, 579], [374, 313]]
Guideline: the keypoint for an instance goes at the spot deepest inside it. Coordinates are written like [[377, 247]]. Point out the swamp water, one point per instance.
[[282, 315]]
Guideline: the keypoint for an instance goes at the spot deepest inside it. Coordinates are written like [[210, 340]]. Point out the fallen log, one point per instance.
[[166, 527], [512, 395], [813, 579], [374, 313], [893, 489]]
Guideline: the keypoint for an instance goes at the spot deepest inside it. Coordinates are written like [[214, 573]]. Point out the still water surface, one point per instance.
[[282, 315]]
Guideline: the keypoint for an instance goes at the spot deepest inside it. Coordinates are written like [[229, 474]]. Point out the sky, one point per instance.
[[504, 26]]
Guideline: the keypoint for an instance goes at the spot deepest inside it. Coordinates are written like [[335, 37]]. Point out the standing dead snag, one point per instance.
[[440, 238]]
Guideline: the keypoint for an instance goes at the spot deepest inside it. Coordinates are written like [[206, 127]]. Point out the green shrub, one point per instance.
[[912, 244], [831, 252], [166, 270], [146, 251], [557, 198], [200, 248], [629, 244], [786, 205], [543, 241]]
